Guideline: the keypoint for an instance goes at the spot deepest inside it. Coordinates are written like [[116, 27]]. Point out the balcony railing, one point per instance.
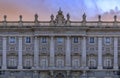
[[11, 67], [72, 23], [107, 67], [27, 67], [93, 67]]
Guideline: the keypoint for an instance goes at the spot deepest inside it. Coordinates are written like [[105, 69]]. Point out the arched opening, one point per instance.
[[59, 75]]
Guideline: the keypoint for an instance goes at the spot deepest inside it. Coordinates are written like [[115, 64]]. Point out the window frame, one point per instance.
[[30, 40], [43, 39], [13, 41], [92, 41], [75, 39], [107, 41], [60, 39]]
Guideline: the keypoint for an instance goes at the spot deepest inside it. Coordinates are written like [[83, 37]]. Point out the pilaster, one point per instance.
[[100, 53], [20, 53], [68, 52], [115, 53], [36, 52], [84, 52], [4, 52], [52, 54]]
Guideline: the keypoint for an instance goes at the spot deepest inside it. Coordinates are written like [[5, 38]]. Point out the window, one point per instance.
[[92, 63], [44, 40], [44, 62], [107, 62], [107, 40], [12, 40], [28, 40], [60, 63], [27, 62], [75, 39], [12, 61], [92, 40], [76, 62], [59, 40]]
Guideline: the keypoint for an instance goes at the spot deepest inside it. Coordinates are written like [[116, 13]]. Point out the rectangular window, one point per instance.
[[107, 40], [60, 40], [28, 39], [12, 39], [12, 61], [44, 40], [75, 39], [92, 40]]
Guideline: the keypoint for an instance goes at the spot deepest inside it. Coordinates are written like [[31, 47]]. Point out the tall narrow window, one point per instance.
[[28, 40], [12, 39], [92, 40], [44, 40], [75, 39]]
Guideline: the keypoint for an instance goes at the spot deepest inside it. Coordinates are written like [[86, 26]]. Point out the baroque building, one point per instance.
[[59, 48]]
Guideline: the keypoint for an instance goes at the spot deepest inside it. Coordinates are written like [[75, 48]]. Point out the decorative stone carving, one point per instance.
[[60, 20]]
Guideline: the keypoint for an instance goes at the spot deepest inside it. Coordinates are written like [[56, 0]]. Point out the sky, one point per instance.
[[44, 8]]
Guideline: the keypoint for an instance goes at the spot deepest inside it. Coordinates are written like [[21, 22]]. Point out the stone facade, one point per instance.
[[59, 48]]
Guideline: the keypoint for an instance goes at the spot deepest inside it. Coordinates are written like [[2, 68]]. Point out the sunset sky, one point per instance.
[[44, 8]]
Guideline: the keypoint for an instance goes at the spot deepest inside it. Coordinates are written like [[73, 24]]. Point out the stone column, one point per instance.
[[4, 53], [115, 53], [100, 53], [36, 53], [84, 52], [52, 53], [20, 53], [68, 52]]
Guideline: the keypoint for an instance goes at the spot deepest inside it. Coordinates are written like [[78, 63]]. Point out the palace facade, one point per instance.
[[59, 48]]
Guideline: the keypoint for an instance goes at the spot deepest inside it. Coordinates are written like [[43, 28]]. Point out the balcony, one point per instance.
[[107, 67], [93, 67], [27, 67], [11, 67]]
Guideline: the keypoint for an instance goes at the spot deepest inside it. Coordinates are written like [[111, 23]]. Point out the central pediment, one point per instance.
[[60, 19]]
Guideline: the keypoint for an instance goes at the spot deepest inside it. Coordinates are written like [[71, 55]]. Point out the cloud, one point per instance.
[[108, 15]]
